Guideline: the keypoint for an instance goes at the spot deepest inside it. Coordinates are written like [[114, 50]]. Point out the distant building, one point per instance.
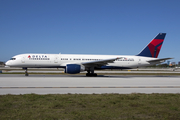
[[2, 63], [178, 63], [173, 63]]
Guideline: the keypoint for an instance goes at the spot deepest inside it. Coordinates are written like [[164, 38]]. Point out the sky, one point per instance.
[[107, 27]]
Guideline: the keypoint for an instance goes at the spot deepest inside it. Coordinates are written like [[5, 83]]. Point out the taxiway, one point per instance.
[[79, 84]]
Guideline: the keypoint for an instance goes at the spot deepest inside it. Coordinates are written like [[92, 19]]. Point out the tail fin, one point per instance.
[[154, 47]]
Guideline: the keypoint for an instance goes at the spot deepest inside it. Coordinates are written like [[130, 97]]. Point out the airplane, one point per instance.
[[76, 63]]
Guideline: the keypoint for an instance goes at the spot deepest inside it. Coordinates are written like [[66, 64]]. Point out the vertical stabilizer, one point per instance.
[[154, 47]]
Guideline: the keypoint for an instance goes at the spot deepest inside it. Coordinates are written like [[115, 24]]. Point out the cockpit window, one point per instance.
[[13, 59]]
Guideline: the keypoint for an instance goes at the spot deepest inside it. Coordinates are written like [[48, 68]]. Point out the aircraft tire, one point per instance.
[[91, 75], [88, 74], [94, 75]]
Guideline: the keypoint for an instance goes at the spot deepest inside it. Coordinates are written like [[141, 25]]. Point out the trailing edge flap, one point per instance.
[[102, 62], [159, 60]]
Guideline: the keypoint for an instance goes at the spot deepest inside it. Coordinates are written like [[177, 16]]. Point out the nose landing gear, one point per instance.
[[26, 72]]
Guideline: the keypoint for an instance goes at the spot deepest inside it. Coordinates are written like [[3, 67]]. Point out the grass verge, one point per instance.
[[90, 107]]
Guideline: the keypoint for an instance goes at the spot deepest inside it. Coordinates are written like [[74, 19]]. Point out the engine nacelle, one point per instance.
[[74, 68]]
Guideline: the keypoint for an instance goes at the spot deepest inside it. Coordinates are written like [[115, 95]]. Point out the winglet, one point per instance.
[[154, 47]]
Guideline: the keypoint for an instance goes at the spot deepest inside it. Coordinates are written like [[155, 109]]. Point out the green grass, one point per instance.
[[90, 107]]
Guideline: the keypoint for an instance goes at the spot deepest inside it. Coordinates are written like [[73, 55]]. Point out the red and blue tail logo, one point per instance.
[[154, 47]]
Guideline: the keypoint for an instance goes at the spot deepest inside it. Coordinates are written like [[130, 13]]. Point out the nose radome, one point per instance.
[[7, 64]]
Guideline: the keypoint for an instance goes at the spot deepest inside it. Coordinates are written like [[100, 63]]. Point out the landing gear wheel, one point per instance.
[[94, 75], [26, 74], [91, 75], [88, 74]]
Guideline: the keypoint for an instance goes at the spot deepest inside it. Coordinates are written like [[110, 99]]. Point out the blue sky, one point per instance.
[[112, 27]]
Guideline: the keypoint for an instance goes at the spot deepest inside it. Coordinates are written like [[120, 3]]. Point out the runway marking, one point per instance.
[[93, 87]]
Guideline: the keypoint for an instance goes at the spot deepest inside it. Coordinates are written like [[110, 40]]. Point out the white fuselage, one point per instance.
[[61, 60], [73, 64]]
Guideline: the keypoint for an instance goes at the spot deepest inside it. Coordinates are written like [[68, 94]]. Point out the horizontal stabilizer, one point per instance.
[[159, 60]]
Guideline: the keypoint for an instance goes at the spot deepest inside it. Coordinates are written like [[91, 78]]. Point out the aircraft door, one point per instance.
[[23, 59], [56, 59], [139, 62]]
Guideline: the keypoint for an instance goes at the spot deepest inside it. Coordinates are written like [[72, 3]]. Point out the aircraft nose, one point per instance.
[[8, 63]]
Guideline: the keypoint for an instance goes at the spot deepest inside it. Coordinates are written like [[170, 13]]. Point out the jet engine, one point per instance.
[[74, 68]]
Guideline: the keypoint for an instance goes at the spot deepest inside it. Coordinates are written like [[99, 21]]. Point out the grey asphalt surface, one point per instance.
[[60, 70], [79, 84]]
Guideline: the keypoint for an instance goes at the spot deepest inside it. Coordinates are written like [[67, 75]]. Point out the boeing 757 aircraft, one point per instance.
[[74, 63]]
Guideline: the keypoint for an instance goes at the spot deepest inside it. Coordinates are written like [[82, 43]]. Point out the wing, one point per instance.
[[100, 62]]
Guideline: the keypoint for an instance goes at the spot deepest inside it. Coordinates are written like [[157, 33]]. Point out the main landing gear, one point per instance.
[[91, 73]]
